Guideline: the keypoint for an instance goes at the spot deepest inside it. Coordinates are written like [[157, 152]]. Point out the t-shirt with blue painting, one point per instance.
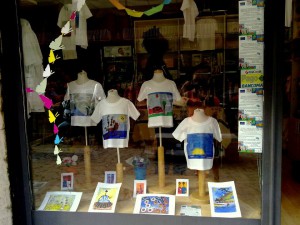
[[83, 100], [115, 119], [198, 141]]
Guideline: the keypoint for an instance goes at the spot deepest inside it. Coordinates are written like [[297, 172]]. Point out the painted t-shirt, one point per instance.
[[198, 141], [115, 121], [83, 100], [160, 97]]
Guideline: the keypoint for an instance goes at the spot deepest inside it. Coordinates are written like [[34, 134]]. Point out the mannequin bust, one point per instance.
[[82, 77], [199, 116], [158, 76], [112, 96]]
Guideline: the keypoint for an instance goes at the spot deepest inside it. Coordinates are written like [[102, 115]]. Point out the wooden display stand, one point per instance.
[[201, 195], [119, 169], [87, 160], [161, 188]]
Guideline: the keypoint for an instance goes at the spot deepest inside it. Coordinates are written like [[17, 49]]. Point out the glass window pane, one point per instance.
[[114, 99]]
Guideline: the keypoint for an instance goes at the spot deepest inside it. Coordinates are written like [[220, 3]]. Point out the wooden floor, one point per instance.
[[290, 203]]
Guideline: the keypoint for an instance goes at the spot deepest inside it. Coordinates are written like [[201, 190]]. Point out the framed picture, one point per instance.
[[61, 201], [223, 199], [110, 177], [105, 197], [67, 181], [155, 204], [140, 187], [182, 187], [117, 51]]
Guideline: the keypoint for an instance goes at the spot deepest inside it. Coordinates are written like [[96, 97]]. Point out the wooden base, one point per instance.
[[201, 199], [167, 189], [119, 172], [87, 164]]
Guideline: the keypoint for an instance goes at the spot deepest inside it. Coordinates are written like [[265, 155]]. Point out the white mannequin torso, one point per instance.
[[82, 77], [199, 116], [112, 96], [158, 76]]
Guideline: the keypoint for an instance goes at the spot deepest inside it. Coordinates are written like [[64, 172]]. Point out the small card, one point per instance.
[[140, 187], [182, 187], [192, 210], [110, 177], [67, 181]]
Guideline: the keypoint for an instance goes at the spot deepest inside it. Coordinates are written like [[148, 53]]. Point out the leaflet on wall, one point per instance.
[[251, 15], [251, 53], [251, 34], [105, 197], [154, 204], [223, 199], [61, 201], [250, 120]]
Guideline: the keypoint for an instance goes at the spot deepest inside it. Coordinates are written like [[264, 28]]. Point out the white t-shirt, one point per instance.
[[190, 12], [198, 141], [160, 97], [206, 34], [115, 121], [83, 99], [79, 34]]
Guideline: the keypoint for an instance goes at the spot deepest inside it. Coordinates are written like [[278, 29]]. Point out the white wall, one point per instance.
[[5, 206]]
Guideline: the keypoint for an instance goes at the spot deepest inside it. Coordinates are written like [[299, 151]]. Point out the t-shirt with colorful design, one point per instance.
[[115, 121], [198, 141], [83, 99], [160, 97]]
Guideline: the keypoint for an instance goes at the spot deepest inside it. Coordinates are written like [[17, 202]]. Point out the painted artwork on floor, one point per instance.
[[140, 187], [155, 204], [67, 181], [61, 201], [110, 177], [105, 197], [223, 199], [182, 187]]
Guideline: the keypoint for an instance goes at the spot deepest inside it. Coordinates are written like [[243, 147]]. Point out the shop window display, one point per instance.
[[201, 145]]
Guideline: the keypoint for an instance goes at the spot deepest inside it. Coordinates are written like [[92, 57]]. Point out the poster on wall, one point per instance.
[[155, 204], [223, 199], [61, 201], [105, 198], [250, 120]]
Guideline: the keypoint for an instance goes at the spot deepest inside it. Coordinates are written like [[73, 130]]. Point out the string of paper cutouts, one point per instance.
[[41, 88]]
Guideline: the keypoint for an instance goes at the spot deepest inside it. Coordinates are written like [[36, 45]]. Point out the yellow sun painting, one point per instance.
[[198, 151]]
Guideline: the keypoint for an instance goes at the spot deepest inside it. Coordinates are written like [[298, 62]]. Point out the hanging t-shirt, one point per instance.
[[160, 97], [115, 121], [206, 34], [198, 141], [33, 66], [190, 12], [83, 100], [79, 34]]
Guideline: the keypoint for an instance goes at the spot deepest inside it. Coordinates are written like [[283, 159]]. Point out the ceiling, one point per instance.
[[98, 4]]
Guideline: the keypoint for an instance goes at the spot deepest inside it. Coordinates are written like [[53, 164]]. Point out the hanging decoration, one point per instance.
[[135, 13], [41, 88]]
